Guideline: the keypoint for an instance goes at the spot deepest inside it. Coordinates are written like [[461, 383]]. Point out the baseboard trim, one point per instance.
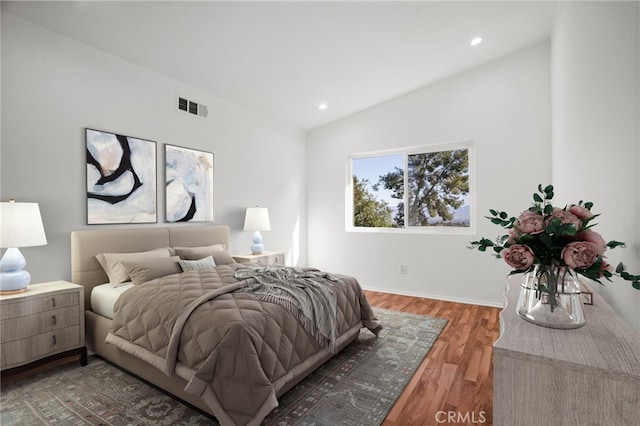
[[437, 297]]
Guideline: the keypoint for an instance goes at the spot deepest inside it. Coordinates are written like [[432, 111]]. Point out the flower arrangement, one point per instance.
[[556, 237]]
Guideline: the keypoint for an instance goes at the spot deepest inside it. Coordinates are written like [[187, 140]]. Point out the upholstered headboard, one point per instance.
[[85, 244]]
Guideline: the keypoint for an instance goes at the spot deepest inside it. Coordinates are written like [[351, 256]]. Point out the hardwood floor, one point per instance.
[[454, 384]]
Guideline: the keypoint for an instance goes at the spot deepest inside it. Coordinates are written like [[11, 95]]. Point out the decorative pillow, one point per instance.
[[145, 270], [111, 263], [217, 251], [195, 265]]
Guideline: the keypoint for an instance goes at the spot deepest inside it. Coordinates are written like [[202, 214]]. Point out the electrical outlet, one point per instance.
[[404, 269]]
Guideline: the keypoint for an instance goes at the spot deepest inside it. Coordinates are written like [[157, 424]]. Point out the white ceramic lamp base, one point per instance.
[[13, 278], [257, 247]]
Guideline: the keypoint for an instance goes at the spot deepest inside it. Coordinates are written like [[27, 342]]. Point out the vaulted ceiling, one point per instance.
[[285, 58]]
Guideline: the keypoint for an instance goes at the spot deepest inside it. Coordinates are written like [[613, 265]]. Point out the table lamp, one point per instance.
[[257, 219], [20, 226]]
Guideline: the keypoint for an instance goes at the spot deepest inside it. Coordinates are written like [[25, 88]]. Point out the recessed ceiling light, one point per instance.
[[322, 106], [476, 41]]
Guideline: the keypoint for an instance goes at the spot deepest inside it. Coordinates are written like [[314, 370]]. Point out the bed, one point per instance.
[[185, 355]]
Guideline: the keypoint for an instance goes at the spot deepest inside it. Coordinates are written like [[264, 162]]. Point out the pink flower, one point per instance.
[[594, 238], [530, 223], [513, 235], [580, 212], [518, 256], [605, 269], [566, 217], [579, 254]]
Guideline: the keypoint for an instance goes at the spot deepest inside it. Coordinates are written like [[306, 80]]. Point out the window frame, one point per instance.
[[469, 145]]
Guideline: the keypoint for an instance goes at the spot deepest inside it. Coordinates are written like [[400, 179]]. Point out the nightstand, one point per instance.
[[275, 258], [44, 323]]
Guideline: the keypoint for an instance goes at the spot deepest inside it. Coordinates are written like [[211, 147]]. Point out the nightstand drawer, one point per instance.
[[20, 351], [24, 327], [267, 258], [270, 260], [32, 306], [46, 321]]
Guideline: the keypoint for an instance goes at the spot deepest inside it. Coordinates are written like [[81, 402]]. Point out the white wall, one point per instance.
[[505, 107], [53, 87], [596, 134]]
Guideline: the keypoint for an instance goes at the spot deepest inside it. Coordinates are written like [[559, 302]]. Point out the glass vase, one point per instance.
[[550, 297]]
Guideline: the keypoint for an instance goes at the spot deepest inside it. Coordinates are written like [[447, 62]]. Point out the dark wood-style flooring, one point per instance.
[[454, 384]]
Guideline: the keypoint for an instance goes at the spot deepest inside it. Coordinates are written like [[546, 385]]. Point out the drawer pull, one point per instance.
[[53, 302], [53, 340], [53, 320]]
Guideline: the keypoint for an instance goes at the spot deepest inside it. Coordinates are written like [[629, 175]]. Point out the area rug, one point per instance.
[[356, 387]]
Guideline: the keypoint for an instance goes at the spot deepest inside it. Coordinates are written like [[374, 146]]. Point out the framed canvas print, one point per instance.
[[188, 184], [121, 179]]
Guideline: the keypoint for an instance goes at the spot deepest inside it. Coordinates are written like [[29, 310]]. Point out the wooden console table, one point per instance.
[[586, 376]]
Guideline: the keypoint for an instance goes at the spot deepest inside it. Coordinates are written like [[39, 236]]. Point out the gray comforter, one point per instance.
[[242, 350]]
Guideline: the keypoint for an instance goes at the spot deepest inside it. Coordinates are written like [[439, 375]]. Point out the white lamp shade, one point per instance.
[[257, 219], [21, 225]]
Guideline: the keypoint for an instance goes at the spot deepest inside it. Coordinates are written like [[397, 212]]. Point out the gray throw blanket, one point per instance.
[[307, 293]]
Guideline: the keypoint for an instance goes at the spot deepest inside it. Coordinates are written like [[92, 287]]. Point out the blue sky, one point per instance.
[[372, 167]]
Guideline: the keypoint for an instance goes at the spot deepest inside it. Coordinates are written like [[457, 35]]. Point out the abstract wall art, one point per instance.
[[189, 184], [121, 179]]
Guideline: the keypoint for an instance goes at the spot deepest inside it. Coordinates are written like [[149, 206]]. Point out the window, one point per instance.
[[423, 189]]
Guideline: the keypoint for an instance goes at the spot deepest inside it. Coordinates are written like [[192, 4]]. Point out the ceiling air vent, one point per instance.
[[191, 107]]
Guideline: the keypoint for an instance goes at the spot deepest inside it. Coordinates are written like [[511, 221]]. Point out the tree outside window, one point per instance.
[[437, 195]]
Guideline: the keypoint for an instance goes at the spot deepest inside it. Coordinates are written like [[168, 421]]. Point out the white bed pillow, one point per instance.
[[195, 265], [112, 263]]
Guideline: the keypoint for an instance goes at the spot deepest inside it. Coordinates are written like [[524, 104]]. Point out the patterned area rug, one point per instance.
[[356, 387]]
